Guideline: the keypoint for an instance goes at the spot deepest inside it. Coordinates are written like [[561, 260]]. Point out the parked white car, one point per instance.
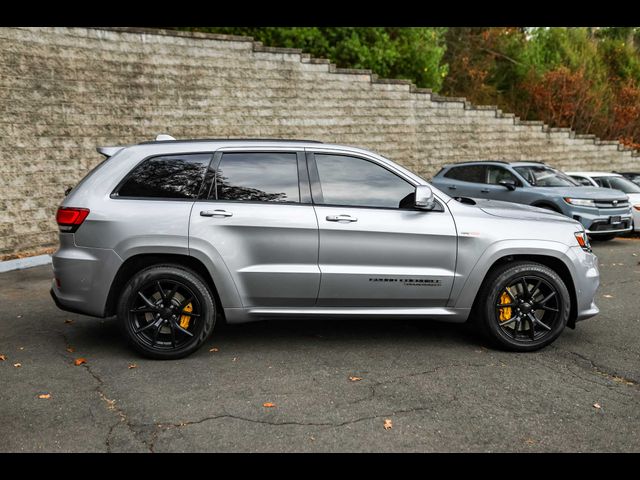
[[616, 181]]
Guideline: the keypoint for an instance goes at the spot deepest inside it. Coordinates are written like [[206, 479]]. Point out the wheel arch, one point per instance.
[[554, 263], [138, 262]]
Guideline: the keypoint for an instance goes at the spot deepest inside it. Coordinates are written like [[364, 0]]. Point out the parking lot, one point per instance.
[[328, 385]]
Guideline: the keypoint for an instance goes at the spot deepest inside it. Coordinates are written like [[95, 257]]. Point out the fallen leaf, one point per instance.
[[71, 349], [79, 361], [388, 424], [45, 396], [530, 441], [214, 349], [3, 357], [268, 405], [132, 365], [607, 296], [597, 406], [17, 365], [355, 379], [68, 321]]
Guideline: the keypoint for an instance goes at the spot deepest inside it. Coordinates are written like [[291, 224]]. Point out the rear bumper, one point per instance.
[[84, 277]]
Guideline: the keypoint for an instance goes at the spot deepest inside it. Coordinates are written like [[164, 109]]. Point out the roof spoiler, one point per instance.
[[108, 151]]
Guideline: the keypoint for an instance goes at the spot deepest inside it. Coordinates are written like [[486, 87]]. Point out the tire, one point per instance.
[[170, 321], [516, 335], [603, 238]]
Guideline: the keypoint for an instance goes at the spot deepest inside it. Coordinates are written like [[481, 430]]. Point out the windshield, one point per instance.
[[542, 176], [619, 183]]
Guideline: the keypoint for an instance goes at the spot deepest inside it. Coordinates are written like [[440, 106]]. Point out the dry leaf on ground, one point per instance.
[[597, 406], [68, 321], [44, 396], [71, 349], [355, 379], [2, 357], [17, 365], [268, 405], [214, 349], [79, 361], [132, 365], [388, 424]]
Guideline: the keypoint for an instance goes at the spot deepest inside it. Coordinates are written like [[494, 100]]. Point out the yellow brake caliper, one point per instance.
[[505, 312], [184, 319]]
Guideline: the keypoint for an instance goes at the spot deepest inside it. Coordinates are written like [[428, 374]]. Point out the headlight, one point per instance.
[[583, 240], [580, 202]]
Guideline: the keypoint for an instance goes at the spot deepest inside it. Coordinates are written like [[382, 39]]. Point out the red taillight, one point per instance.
[[69, 218]]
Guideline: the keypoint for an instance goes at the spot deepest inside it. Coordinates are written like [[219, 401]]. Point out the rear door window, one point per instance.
[[468, 173], [257, 177]]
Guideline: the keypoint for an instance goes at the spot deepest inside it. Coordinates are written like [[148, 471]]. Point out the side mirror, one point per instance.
[[510, 184], [424, 198]]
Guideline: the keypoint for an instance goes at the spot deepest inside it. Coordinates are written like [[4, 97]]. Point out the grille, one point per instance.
[[603, 227], [611, 204]]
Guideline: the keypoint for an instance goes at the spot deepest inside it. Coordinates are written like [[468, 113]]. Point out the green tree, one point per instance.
[[411, 53]]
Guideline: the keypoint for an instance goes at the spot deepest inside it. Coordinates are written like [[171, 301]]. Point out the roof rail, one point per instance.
[[229, 140]]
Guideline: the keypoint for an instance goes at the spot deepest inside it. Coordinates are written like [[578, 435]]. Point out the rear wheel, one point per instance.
[[166, 312], [523, 306]]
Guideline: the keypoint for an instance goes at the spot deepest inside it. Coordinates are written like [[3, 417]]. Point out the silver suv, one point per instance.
[[170, 235]]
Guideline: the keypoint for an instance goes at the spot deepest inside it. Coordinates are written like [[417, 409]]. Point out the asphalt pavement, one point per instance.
[[328, 385]]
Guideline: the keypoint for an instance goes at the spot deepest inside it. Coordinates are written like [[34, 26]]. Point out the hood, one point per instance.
[[590, 193], [521, 212]]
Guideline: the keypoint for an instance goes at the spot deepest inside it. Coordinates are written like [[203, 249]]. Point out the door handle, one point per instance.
[[341, 218], [485, 190], [215, 213], [451, 187]]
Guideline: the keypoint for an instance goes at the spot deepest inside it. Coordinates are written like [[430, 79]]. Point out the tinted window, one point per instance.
[[171, 176], [543, 176], [258, 177], [353, 181], [469, 173], [619, 183], [496, 174], [582, 181]]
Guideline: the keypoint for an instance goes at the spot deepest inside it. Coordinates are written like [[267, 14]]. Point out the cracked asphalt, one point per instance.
[[441, 387]]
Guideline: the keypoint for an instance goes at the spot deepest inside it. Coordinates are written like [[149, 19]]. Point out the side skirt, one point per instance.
[[443, 314]]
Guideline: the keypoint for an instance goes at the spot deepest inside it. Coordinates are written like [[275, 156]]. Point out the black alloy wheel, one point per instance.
[[166, 312], [531, 309], [522, 306]]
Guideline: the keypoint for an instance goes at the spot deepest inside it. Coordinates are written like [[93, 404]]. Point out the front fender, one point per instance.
[[470, 275]]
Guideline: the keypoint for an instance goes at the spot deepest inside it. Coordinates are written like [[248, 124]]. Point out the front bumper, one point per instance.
[[587, 280]]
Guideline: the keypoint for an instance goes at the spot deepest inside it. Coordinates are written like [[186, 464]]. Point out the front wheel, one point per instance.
[[523, 306], [166, 312]]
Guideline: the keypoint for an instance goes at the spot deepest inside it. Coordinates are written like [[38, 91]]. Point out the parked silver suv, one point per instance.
[[167, 234]]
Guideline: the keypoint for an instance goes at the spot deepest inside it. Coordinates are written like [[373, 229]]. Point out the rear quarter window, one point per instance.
[[167, 176]]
